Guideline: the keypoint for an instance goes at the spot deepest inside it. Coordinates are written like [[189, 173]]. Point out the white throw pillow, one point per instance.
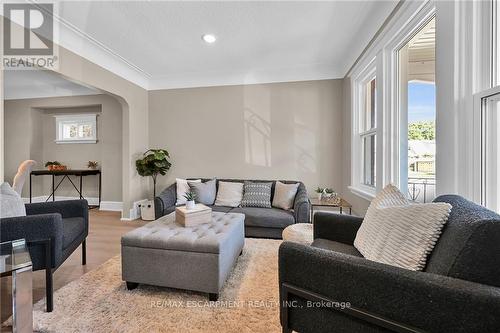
[[399, 233], [284, 195], [11, 203], [183, 188], [229, 194]]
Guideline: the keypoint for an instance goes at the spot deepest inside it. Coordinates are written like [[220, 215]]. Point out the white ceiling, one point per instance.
[[158, 44], [37, 84]]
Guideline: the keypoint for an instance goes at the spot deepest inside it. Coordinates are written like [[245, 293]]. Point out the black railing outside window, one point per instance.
[[421, 189]]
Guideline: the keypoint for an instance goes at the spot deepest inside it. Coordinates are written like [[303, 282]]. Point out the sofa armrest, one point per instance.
[[67, 208], [34, 228], [165, 201], [430, 302], [301, 205], [336, 227]]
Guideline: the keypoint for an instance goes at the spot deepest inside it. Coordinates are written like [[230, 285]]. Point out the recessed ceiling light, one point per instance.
[[209, 38]]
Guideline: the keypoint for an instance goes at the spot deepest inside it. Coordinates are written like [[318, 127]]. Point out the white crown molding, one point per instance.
[[32, 95], [82, 44], [77, 41], [257, 76]]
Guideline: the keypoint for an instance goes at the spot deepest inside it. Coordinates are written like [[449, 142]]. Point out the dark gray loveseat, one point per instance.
[[459, 290], [259, 222]]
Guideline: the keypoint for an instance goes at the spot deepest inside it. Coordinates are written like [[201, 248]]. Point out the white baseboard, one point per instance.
[[114, 206]]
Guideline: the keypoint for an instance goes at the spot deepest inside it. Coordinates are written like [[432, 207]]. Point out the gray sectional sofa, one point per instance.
[[259, 222]]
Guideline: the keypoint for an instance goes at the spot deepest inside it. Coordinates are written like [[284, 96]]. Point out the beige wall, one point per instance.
[[35, 119], [268, 131], [359, 204], [134, 101]]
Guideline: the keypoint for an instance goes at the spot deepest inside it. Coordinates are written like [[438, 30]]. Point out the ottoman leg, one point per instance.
[[213, 297], [131, 285]]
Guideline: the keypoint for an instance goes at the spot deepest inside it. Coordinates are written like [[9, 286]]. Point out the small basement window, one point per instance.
[[81, 128]]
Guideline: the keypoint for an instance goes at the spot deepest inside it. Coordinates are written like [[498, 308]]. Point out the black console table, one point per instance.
[[65, 175]]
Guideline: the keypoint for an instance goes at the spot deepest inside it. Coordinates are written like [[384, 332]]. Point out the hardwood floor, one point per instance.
[[103, 243]]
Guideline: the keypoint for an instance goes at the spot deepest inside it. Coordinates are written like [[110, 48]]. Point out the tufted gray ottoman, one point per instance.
[[163, 253]]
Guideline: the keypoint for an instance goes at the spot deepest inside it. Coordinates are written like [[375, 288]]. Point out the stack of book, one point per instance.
[[192, 217]]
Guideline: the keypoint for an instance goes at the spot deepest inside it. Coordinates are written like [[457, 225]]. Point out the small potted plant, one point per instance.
[[190, 197], [319, 191], [54, 166], [329, 193], [92, 165]]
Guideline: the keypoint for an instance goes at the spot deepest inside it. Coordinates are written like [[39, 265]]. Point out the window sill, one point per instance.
[[365, 193], [75, 141]]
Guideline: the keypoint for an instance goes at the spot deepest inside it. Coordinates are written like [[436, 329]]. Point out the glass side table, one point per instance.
[[340, 204], [15, 260]]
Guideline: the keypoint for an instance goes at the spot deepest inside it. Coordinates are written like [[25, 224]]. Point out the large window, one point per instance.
[[364, 133], [417, 114], [487, 117], [368, 133], [76, 128], [490, 148]]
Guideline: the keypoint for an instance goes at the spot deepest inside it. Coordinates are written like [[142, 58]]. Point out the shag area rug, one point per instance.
[[99, 301]]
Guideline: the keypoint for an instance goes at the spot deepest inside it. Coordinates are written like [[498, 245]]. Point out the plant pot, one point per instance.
[[147, 210], [190, 204], [320, 195]]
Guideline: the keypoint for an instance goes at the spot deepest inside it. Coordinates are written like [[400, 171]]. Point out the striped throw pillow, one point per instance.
[[400, 233], [257, 195]]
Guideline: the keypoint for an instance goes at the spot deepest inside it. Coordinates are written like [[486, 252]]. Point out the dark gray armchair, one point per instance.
[[53, 230], [330, 287]]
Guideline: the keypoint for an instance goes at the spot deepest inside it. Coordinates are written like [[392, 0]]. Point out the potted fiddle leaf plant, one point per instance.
[[153, 163], [190, 199]]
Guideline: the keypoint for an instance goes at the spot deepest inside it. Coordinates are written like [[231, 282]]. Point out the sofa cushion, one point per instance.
[[398, 233], [182, 187], [257, 195], [336, 246], [284, 195], [221, 209], [229, 194], [72, 228], [265, 217], [205, 192], [469, 247]]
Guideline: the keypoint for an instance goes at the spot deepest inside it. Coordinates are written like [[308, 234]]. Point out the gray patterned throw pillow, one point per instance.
[[257, 195]]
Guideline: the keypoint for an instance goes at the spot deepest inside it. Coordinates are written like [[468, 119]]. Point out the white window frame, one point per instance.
[[393, 116], [487, 85], [481, 159], [383, 56], [357, 157], [79, 118]]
